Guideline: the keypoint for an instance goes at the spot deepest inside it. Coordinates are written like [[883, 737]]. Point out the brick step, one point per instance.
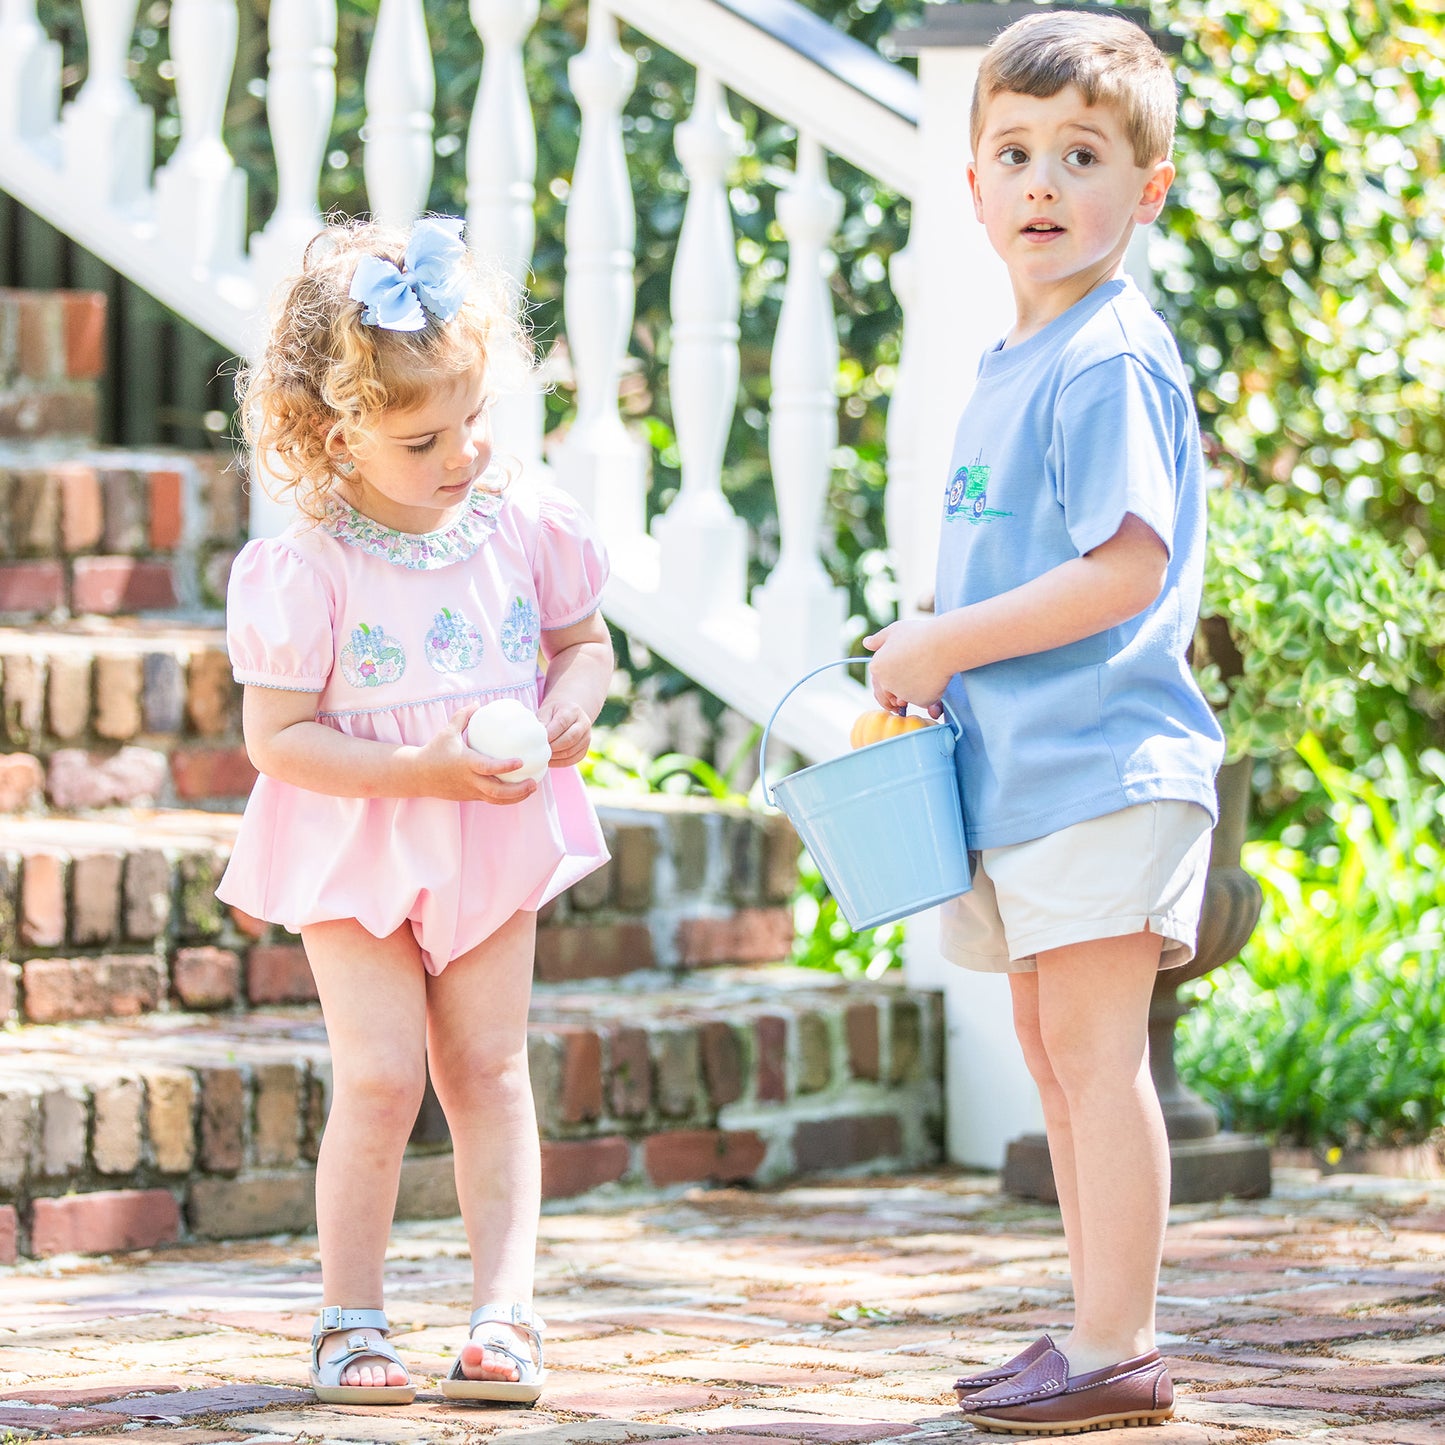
[[117, 530], [130, 711], [52, 355], [116, 916], [137, 1133]]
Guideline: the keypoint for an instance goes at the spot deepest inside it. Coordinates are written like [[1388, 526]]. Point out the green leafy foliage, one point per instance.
[[1331, 629], [1329, 1035]]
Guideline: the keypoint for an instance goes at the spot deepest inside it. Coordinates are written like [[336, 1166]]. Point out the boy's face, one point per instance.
[[1058, 190]]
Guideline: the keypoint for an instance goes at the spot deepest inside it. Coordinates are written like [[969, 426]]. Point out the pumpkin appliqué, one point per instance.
[[372, 658], [521, 631], [874, 727], [453, 644]]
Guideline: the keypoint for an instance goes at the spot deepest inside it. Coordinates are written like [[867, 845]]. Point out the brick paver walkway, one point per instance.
[[832, 1313]]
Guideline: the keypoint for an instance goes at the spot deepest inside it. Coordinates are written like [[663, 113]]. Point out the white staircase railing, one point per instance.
[[681, 588]]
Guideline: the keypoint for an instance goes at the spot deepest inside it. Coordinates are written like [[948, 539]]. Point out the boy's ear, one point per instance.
[[1156, 191], [974, 191]]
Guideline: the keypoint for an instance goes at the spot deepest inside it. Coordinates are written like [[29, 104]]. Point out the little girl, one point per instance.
[[415, 585]]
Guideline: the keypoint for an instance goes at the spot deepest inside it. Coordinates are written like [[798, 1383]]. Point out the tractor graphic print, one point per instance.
[[967, 495]]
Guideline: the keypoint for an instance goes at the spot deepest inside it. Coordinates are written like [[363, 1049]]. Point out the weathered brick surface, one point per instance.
[[204, 773], [22, 694], [95, 897], [634, 857], [222, 1128], [171, 1096], [253, 1204], [771, 1033], [572, 1167], [22, 781], [82, 515], [752, 935], [166, 510], [581, 1075], [9, 990], [860, 1025], [42, 899], [836, 1143], [722, 1063], [163, 692], [64, 1121], [719, 1156], [566, 952], [9, 1234], [279, 1092], [629, 1063], [679, 1071], [67, 697], [80, 779], [119, 1112], [279, 973], [815, 1054], [905, 1049], [146, 894], [107, 986], [109, 585], [206, 977], [119, 683], [28, 588], [19, 1128]]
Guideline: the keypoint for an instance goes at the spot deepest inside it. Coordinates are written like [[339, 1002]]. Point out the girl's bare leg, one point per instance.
[[477, 1039], [378, 1075]]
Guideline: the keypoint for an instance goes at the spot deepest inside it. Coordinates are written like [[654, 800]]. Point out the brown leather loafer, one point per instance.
[[1045, 1399], [967, 1385]]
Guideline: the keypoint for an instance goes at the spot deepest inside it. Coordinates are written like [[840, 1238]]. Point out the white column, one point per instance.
[[800, 611], [300, 104], [910, 490], [703, 544], [501, 193], [965, 304], [599, 462], [200, 193], [107, 135], [29, 74], [400, 93]]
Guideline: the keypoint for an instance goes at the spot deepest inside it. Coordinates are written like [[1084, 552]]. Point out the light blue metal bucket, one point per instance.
[[883, 823]]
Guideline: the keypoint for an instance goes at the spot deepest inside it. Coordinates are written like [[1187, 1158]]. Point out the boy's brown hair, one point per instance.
[[1111, 60]]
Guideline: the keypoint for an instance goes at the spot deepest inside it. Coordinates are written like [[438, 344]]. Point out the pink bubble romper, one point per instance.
[[395, 631]]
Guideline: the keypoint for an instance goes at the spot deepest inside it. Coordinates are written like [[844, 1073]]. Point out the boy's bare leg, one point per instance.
[[1093, 1024], [1025, 991], [477, 1037], [378, 1075]]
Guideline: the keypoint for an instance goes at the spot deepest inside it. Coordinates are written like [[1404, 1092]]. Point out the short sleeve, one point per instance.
[[278, 619], [1116, 435], [570, 564]]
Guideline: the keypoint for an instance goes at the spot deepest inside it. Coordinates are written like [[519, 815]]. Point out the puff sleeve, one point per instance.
[[278, 619], [570, 564]]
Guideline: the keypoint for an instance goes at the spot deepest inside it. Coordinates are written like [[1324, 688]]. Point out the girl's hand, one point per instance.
[[906, 667], [569, 730], [449, 768]]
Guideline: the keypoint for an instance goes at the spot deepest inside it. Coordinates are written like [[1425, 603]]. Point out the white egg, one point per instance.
[[507, 728]]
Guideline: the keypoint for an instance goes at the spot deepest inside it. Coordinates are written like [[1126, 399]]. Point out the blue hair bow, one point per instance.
[[431, 276]]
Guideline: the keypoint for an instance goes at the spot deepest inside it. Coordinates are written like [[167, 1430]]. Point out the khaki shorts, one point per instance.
[[1141, 867]]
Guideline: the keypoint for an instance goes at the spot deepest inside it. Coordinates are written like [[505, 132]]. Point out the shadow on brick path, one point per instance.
[[834, 1313]]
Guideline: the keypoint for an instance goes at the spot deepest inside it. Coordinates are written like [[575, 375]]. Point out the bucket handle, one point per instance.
[[948, 713]]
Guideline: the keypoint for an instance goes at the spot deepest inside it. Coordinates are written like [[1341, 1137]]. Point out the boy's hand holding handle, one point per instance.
[[906, 668]]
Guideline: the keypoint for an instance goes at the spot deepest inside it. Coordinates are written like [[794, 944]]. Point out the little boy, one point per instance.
[[1069, 575]]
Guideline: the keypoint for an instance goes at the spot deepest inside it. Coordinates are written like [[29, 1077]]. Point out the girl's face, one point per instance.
[[416, 467]]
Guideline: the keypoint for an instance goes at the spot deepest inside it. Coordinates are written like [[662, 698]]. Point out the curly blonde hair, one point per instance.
[[325, 376]]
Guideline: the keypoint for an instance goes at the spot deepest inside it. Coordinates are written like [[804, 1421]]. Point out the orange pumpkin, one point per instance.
[[873, 727]]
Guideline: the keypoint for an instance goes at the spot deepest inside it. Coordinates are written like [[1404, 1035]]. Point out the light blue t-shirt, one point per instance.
[[1087, 420]]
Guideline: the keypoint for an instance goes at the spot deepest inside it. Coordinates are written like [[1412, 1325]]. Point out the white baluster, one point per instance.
[[200, 193], [703, 544], [501, 193], [400, 94], [912, 502], [107, 135], [800, 611], [29, 74], [600, 463], [300, 103]]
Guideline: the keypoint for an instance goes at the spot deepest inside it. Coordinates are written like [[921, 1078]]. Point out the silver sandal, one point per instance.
[[326, 1378], [531, 1370]]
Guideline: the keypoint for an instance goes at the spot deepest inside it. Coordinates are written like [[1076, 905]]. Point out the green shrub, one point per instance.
[[1329, 1034]]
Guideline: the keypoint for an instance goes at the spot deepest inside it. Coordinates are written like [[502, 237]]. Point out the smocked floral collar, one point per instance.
[[422, 551]]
